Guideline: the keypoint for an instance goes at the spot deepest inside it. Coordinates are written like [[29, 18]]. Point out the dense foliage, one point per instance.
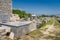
[[22, 14]]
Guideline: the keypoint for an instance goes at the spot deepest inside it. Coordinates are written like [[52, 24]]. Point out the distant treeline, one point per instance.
[[22, 14], [43, 15]]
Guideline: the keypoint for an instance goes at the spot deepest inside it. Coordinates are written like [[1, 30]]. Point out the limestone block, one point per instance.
[[11, 35], [8, 29]]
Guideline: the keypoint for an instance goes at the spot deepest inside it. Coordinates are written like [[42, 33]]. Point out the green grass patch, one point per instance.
[[50, 22], [53, 21], [57, 38], [57, 23], [35, 33], [43, 23]]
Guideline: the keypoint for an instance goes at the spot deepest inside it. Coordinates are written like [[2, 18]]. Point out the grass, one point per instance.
[[57, 23], [43, 23], [57, 38], [38, 32], [54, 21], [35, 33], [50, 22]]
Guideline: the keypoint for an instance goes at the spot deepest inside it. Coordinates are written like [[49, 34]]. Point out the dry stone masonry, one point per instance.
[[5, 9], [2, 33]]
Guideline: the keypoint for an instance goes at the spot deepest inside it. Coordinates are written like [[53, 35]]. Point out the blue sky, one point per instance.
[[38, 7]]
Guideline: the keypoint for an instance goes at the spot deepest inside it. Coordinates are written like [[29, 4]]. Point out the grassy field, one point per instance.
[[39, 33]]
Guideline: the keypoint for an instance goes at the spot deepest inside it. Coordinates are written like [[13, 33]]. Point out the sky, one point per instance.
[[38, 7]]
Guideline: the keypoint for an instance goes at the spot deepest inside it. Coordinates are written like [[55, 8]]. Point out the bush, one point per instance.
[[43, 23]]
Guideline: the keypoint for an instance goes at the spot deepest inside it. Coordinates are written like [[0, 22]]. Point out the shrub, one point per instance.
[[43, 23]]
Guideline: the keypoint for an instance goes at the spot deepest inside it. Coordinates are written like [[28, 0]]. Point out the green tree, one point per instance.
[[22, 14]]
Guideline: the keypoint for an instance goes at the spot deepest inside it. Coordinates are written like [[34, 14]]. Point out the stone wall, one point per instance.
[[6, 6], [5, 9], [2, 33]]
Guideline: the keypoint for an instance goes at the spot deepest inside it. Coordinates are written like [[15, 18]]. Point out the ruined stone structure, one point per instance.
[[6, 6], [5, 9]]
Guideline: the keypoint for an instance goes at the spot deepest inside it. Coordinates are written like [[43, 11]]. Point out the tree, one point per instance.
[[22, 14], [43, 15]]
